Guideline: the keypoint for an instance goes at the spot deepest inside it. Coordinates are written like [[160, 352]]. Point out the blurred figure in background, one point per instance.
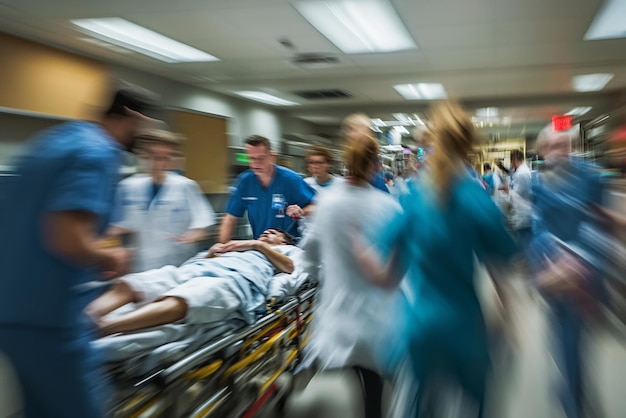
[[518, 194], [447, 220], [319, 161], [564, 194], [354, 126], [166, 212], [488, 179], [350, 317], [56, 208], [273, 196]]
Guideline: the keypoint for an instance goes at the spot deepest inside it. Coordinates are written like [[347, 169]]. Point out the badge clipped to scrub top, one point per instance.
[[278, 204]]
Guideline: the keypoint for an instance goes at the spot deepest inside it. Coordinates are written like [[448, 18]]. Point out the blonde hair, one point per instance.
[[359, 155], [356, 119], [453, 136]]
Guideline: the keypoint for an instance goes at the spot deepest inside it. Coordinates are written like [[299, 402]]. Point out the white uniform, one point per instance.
[[350, 318], [178, 206], [312, 181]]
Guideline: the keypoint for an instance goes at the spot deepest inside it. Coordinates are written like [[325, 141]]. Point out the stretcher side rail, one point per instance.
[[194, 360], [168, 387]]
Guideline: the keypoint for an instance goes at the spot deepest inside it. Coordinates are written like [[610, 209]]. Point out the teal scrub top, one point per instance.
[[438, 243]]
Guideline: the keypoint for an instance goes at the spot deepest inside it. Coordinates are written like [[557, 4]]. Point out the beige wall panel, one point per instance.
[[206, 148], [37, 78]]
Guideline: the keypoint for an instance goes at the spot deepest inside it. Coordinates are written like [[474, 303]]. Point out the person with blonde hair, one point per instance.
[[348, 321], [355, 126], [447, 220]]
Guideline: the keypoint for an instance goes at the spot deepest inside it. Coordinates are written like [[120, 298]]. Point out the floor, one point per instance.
[[524, 377], [523, 380]]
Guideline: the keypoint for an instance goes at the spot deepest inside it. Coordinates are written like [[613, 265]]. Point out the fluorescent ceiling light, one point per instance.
[[578, 111], [421, 91], [418, 120], [358, 26], [401, 129], [139, 39], [263, 97], [487, 112], [590, 82], [609, 23], [378, 122]]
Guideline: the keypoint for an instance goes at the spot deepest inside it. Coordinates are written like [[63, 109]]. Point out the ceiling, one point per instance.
[[516, 55]]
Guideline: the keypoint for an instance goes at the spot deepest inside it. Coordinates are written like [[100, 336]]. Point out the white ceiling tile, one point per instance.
[[456, 37]]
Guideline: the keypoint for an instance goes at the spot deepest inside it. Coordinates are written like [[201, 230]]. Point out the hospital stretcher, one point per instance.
[[243, 373]]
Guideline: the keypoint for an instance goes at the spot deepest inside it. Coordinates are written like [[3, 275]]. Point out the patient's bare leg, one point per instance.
[[118, 295], [167, 310]]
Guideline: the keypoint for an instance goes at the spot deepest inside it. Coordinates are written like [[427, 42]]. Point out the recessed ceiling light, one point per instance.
[[378, 122], [128, 35], [609, 23], [267, 98], [487, 112], [358, 26], [590, 82], [421, 91], [578, 111]]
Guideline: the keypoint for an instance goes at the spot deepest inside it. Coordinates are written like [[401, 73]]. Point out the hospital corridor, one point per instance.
[[313, 209]]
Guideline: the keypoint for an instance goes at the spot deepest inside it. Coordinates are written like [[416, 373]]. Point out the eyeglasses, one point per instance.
[[314, 162]]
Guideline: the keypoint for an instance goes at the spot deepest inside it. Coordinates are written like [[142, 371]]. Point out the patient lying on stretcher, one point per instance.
[[203, 289]]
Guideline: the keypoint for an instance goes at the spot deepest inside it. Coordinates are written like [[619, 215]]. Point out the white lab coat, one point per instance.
[[351, 316], [178, 206]]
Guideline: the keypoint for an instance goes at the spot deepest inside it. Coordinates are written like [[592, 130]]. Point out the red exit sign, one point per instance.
[[561, 122]]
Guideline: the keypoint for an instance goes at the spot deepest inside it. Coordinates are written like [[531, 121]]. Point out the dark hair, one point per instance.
[[517, 155], [148, 137], [486, 166], [318, 150], [289, 239], [133, 98], [256, 140]]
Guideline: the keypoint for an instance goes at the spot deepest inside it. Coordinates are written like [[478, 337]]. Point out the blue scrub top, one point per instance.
[[379, 183], [71, 167], [266, 207]]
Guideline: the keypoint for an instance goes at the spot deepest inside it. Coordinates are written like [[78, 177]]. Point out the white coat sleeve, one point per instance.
[[123, 213], [202, 214]]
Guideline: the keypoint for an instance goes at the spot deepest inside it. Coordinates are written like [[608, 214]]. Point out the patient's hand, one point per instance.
[[215, 250], [240, 245]]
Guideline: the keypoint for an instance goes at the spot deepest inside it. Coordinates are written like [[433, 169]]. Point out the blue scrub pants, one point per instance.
[[58, 373], [567, 326]]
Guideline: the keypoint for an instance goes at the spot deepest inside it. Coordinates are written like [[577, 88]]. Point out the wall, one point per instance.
[[243, 118]]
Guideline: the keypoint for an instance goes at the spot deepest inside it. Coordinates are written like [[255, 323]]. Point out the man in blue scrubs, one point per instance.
[[52, 215], [273, 196]]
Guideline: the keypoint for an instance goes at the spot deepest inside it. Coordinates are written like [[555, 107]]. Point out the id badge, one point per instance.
[[278, 204]]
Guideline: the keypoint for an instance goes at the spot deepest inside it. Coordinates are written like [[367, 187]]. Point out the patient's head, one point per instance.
[[275, 236]]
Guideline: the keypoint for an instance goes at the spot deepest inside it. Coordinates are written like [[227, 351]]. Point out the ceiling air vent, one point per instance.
[[322, 94], [312, 61]]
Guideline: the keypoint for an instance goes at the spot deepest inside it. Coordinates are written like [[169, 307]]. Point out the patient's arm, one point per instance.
[[118, 295], [279, 260], [165, 311]]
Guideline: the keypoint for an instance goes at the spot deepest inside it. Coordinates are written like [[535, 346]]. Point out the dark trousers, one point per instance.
[[372, 384]]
